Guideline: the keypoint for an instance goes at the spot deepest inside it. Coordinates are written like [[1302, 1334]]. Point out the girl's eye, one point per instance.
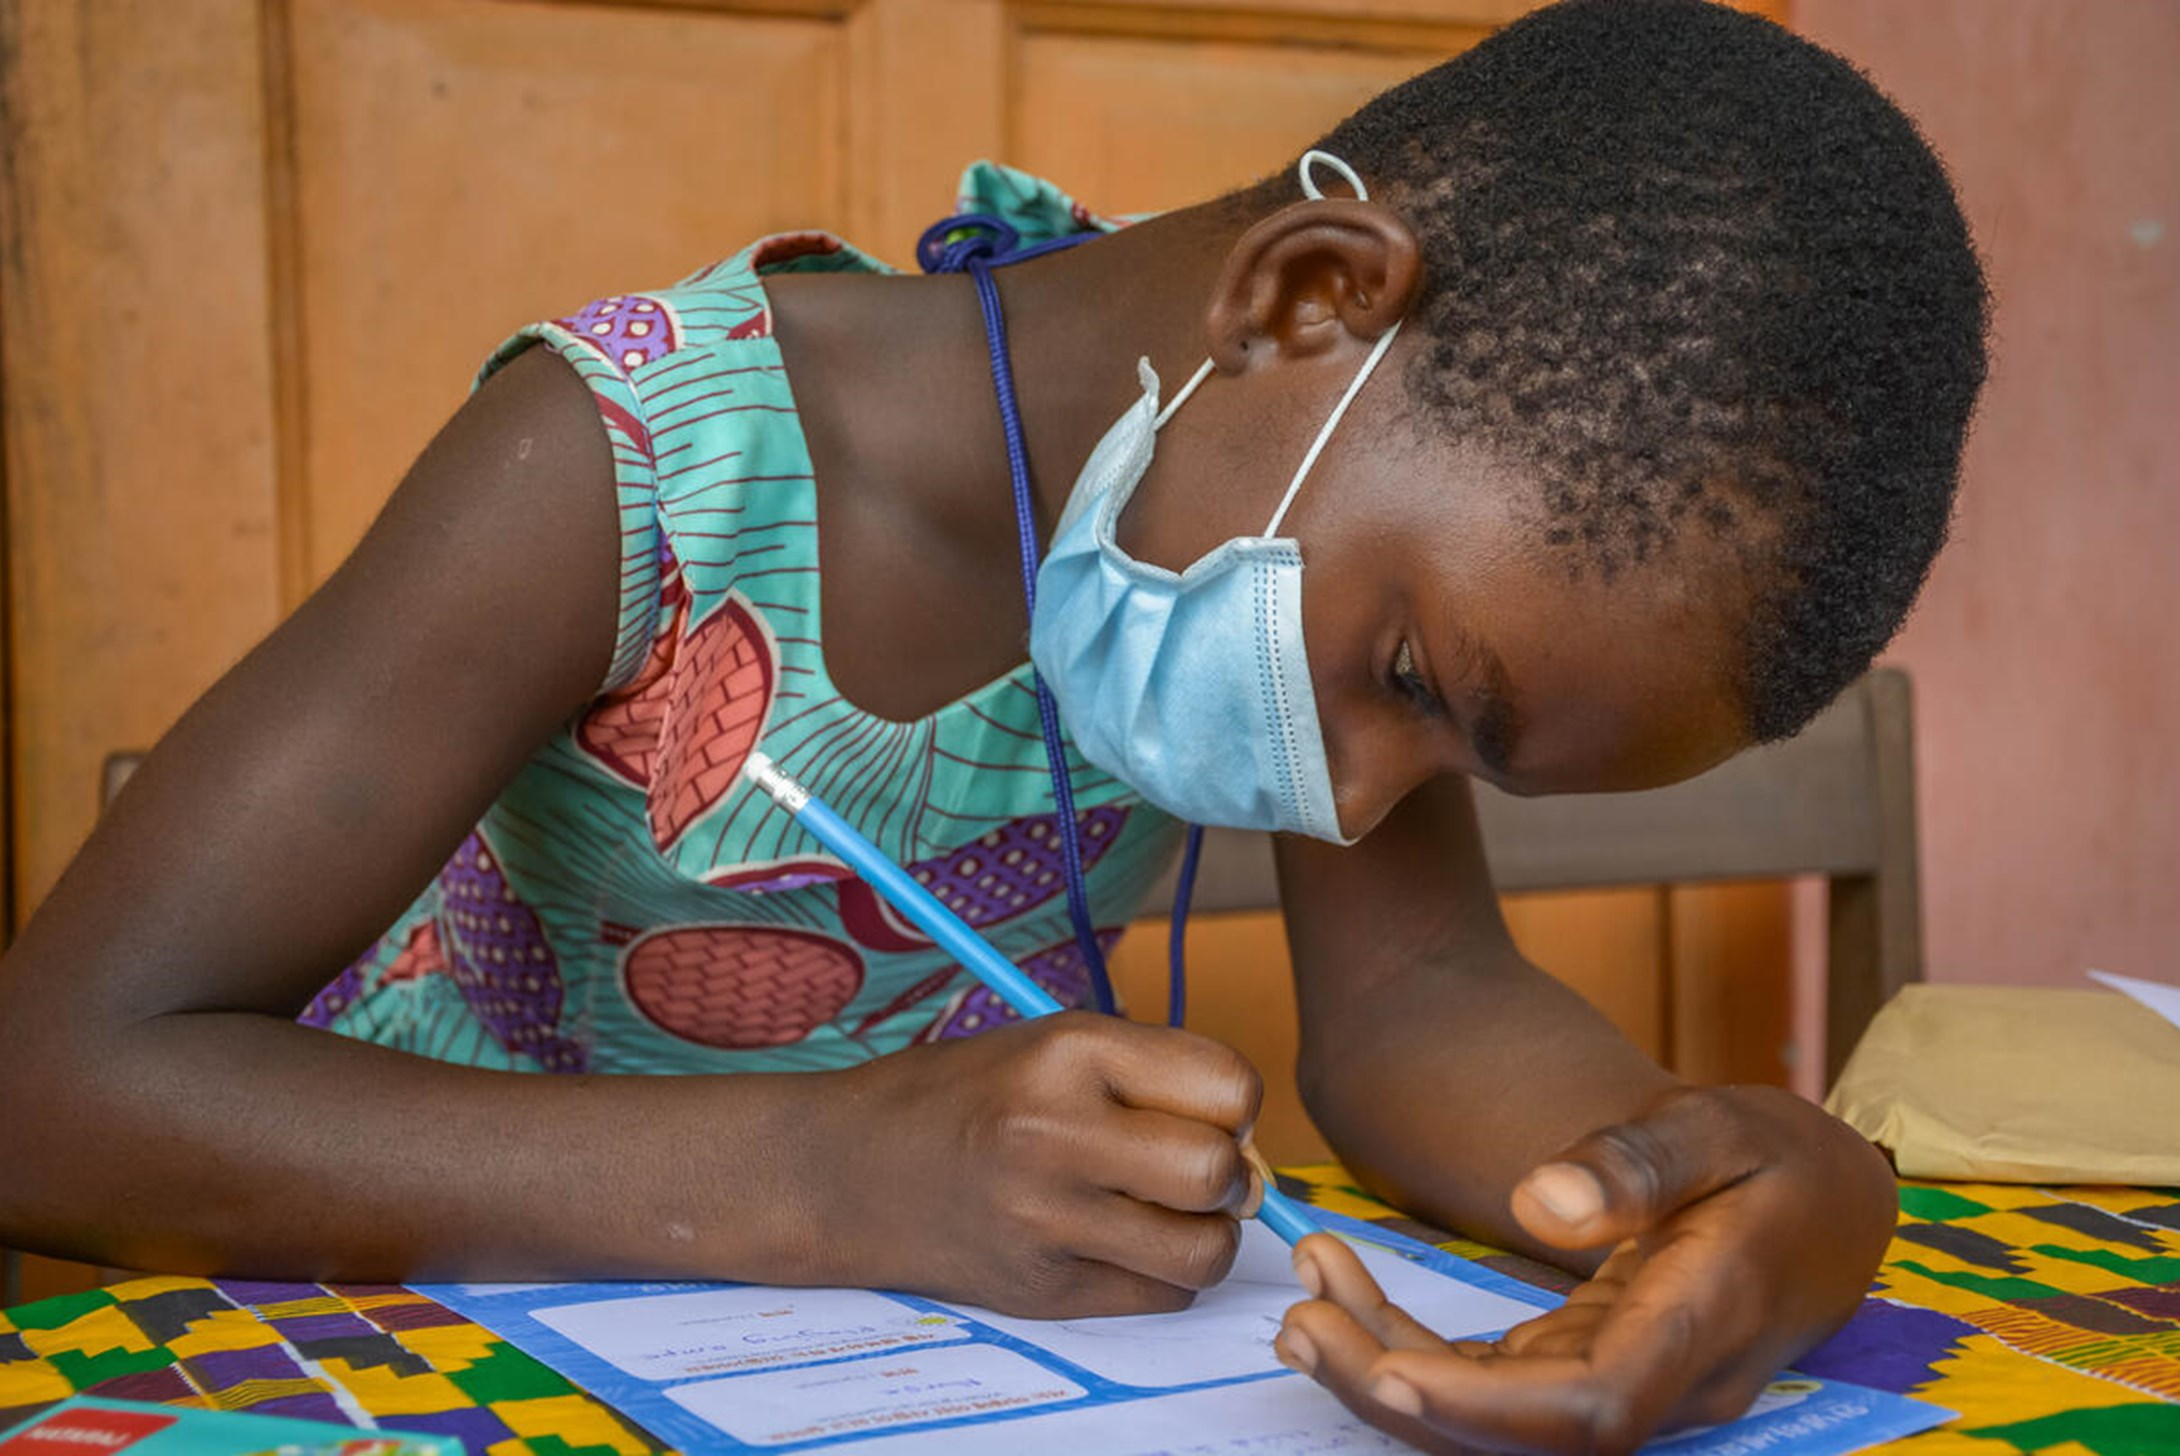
[[1411, 683]]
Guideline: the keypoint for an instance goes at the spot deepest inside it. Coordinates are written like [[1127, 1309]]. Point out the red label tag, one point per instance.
[[85, 1433]]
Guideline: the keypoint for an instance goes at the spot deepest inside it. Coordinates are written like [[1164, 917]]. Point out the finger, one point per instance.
[[1621, 1180], [1329, 1340], [1189, 1251], [1688, 1316], [1571, 1327], [1162, 1069], [1091, 1289], [1261, 1177], [1609, 1284], [1330, 1270], [1599, 1373], [1175, 1162], [1569, 1330], [1535, 1403], [1323, 1341]]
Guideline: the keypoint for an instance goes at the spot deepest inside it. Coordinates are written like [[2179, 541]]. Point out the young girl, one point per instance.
[[1590, 411]]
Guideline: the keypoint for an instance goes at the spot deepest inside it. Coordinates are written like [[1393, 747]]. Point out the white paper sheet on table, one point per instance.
[[2161, 998], [739, 1368]]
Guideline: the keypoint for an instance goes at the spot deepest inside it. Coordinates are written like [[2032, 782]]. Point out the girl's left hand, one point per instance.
[[1744, 1225]]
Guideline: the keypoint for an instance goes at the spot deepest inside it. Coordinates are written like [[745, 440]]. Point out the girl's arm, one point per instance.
[[163, 1110], [176, 1118], [1440, 1063], [1742, 1223]]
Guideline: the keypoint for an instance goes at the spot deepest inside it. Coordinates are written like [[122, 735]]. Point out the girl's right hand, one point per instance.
[[1073, 1165]]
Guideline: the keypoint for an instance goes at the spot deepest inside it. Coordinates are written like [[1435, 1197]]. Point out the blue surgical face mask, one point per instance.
[[1191, 687]]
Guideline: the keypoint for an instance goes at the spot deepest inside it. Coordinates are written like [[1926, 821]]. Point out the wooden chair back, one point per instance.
[[1837, 800]]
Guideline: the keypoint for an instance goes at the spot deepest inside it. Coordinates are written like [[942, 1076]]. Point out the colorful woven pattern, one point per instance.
[[2049, 1318], [362, 1354]]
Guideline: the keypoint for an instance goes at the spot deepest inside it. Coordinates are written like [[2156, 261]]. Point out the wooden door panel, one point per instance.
[[1140, 123], [1325, 16], [463, 168], [139, 426]]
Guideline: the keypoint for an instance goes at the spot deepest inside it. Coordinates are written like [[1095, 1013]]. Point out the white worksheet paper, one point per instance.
[[2157, 996], [733, 1368]]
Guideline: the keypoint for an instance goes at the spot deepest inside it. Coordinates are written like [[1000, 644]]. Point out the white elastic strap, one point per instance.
[[1203, 372], [1317, 446], [1311, 158], [1315, 158]]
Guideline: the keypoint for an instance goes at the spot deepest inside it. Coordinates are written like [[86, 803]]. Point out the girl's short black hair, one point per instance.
[[1696, 272]]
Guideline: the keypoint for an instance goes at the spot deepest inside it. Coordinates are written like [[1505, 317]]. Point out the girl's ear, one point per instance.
[[1310, 276]]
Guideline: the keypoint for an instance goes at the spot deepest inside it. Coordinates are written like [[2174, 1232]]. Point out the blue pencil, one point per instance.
[[1279, 1213]]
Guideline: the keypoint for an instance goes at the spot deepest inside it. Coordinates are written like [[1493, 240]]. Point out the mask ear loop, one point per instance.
[[1311, 158], [1180, 396], [1314, 158], [1332, 422]]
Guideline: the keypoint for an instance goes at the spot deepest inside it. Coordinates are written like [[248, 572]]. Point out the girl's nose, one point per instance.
[[1373, 769]]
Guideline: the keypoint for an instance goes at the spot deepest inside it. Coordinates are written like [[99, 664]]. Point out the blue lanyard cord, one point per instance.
[[972, 243], [1177, 942], [951, 243], [1048, 713]]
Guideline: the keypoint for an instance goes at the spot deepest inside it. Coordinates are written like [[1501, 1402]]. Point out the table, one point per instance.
[[2049, 1318]]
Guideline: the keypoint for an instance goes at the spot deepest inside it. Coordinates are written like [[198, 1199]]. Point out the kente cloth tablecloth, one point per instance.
[[2049, 1318]]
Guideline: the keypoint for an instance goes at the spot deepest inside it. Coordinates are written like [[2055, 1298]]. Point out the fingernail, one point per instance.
[[1394, 1393], [1260, 1178], [1295, 1351], [1571, 1194], [1305, 1270]]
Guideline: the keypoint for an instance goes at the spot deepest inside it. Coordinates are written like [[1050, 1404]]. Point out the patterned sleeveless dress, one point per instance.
[[630, 903]]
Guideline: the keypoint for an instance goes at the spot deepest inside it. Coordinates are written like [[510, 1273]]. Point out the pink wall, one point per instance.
[[2046, 651]]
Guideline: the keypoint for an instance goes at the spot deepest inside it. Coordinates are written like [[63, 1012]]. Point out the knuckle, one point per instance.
[[1238, 1084], [1084, 1047], [1058, 1039], [1202, 1254], [1150, 1295], [1103, 1290], [1166, 1298], [1044, 1280], [1221, 1245], [1638, 1159], [1020, 1134], [1210, 1176], [1030, 1232]]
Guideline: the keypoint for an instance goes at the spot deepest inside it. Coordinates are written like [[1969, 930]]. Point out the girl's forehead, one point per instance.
[[1618, 678], [1622, 682]]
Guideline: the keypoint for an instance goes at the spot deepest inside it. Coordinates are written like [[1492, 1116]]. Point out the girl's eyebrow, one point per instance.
[[1496, 729]]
